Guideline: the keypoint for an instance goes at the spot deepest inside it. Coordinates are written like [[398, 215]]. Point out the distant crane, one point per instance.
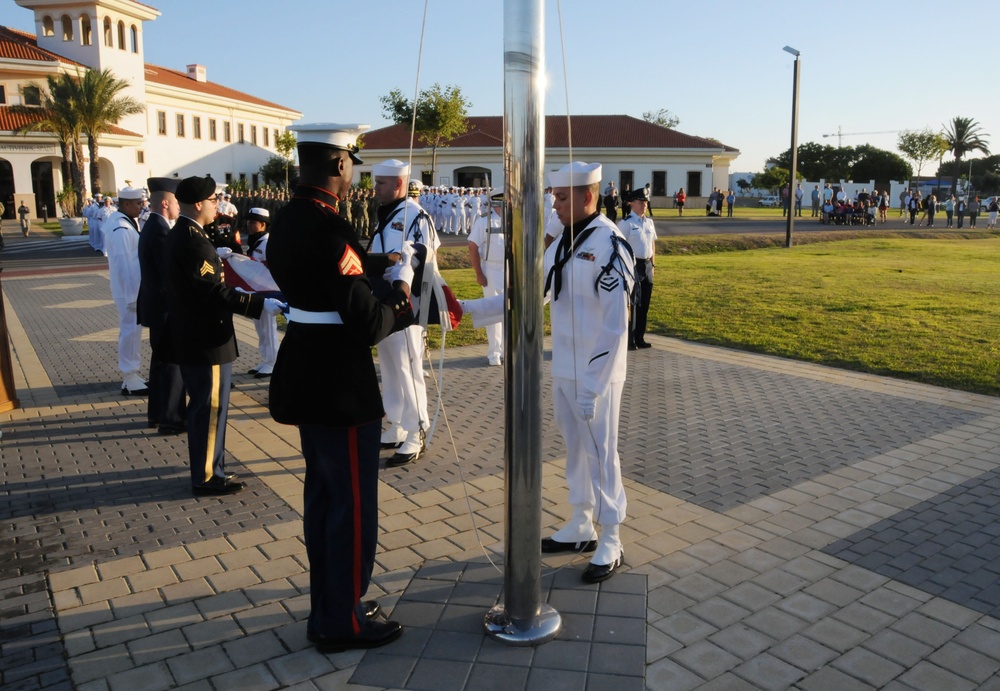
[[840, 134]]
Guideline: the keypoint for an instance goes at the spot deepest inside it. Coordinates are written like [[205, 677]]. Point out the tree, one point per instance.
[[920, 146], [662, 117], [872, 163], [744, 185], [100, 106], [441, 115], [772, 179], [56, 115], [820, 161], [963, 136], [285, 144], [275, 171]]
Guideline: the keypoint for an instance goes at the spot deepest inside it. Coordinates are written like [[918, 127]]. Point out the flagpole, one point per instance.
[[523, 619]]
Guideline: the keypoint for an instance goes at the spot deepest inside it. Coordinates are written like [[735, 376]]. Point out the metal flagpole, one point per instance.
[[522, 619]]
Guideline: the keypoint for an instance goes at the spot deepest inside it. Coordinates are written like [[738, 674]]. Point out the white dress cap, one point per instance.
[[258, 211], [393, 168], [331, 134], [131, 193], [576, 174]]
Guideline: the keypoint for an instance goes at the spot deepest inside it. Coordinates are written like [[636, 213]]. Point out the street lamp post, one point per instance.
[[795, 146]]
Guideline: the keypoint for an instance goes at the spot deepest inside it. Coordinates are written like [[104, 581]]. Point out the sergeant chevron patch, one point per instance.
[[350, 263], [206, 269], [608, 283]]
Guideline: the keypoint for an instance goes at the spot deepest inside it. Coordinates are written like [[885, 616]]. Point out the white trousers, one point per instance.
[[94, 236], [267, 338], [494, 286], [404, 393], [593, 469], [129, 339]]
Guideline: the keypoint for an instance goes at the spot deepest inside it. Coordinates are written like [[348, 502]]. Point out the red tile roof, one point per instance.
[[10, 121], [19, 45], [589, 131], [180, 80]]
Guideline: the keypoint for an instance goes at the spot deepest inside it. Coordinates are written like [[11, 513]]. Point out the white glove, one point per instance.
[[224, 252], [403, 271], [130, 307], [586, 405], [273, 307]]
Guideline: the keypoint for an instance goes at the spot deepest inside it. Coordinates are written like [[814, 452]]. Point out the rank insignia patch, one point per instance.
[[397, 225], [206, 269], [586, 256], [608, 283], [350, 263]]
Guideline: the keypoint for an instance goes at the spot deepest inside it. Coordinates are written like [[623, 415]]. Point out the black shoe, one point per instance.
[[631, 346], [252, 371], [262, 375], [595, 573], [399, 459], [643, 344], [134, 392], [550, 546], [172, 429], [218, 486], [386, 445], [374, 635]]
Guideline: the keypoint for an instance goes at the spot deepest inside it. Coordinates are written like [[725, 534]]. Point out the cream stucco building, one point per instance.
[[191, 126]]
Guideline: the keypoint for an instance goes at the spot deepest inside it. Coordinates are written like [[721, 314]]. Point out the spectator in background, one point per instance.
[[679, 200], [815, 195], [974, 207], [949, 210], [730, 202], [799, 193], [960, 209]]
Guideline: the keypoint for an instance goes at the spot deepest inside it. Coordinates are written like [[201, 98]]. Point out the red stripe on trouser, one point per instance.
[[352, 445]]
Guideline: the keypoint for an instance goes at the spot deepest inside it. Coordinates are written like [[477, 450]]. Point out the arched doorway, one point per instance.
[[42, 186], [108, 181], [7, 189]]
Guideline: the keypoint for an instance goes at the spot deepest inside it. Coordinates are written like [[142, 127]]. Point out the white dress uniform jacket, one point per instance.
[[487, 235], [266, 325], [641, 235]]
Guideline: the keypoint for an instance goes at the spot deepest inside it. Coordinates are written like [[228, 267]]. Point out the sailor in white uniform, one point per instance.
[[121, 243], [640, 232], [400, 355], [258, 221], [589, 279], [486, 254]]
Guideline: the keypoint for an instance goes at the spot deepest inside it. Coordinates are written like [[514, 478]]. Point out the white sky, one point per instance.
[[718, 66]]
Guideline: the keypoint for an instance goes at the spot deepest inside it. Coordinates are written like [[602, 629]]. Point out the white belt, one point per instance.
[[306, 317]]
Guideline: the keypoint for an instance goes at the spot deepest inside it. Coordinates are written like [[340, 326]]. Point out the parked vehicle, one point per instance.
[[772, 200]]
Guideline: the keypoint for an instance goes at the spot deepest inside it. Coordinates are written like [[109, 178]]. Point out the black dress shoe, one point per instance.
[[631, 346], [550, 546], [262, 375], [218, 486], [595, 573], [643, 344], [400, 459], [390, 445], [372, 608], [134, 392], [166, 429], [252, 371], [375, 634]]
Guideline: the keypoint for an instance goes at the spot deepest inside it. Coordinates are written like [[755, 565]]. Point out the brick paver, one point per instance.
[[792, 526]]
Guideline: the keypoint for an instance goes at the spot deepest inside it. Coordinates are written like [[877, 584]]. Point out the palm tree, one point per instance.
[[100, 105], [56, 115], [963, 136]]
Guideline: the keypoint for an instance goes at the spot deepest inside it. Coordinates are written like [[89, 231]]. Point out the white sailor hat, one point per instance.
[[131, 193], [98, 195], [258, 214], [344, 137], [392, 168], [576, 174]]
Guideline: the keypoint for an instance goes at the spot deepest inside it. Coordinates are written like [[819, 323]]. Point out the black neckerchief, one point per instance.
[[570, 239]]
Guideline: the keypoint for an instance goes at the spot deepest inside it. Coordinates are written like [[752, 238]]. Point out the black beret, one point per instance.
[[639, 195], [195, 189], [162, 185]]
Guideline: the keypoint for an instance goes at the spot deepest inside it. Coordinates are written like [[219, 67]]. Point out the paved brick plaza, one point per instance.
[[791, 526]]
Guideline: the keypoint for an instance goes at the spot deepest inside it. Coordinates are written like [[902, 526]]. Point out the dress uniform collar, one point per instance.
[[318, 195], [571, 238]]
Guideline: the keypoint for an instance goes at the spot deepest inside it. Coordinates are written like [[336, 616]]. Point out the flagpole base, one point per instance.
[[545, 626]]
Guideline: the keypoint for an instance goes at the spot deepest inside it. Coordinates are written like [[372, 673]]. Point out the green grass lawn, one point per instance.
[[926, 310]]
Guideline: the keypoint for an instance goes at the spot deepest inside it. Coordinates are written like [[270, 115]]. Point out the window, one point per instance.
[[180, 124], [86, 32], [67, 28], [161, 122], [255, 181], [694, 183], [243, 177], [229, 179], [108, 41], [239, 133], [196, 127], [253, 134], [121, 35], [3, 95], [625, 181], [227, 132], [48, 27], [213, 133], [267, 136], [140, 156], [659, 183], [275, 137], [31, 96], [135, 39]]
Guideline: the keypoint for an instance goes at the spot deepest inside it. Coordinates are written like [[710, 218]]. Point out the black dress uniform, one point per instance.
[[200, 325], [167, 402], [324, 381]]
